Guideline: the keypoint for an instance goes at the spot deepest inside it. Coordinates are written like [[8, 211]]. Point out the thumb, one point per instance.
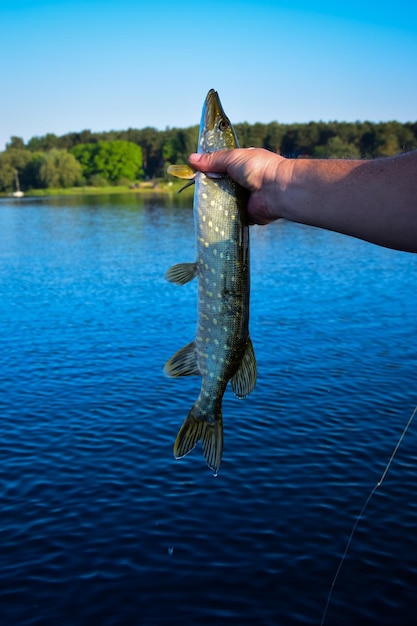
[[210, 162]]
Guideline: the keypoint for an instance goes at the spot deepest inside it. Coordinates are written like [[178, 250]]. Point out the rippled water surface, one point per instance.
[[99, 524]]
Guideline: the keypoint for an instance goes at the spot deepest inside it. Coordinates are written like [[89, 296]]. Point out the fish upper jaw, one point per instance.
[[212, 111], [216, 131]]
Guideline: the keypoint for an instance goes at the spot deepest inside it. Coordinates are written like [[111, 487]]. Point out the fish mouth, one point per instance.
[[216, 131], [212, 110]]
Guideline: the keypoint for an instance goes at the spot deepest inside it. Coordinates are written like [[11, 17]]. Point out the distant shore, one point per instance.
[[153, 187]]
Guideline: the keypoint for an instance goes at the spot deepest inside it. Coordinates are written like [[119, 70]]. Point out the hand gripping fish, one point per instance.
[[222, 349]]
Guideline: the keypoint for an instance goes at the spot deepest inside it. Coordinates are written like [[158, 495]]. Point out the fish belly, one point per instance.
[[223, 291]]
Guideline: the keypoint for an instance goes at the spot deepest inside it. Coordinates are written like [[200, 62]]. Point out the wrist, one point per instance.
[[279, 187]]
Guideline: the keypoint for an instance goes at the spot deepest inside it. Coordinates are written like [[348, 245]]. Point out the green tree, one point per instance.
[[273, 137], [289, 143], [337, 148], [35, 143], [369, 141], [111, 160], [7, 175], [12, 161], [106, 158], [15, 143], [59, 169], [29, 178], [179, 144], [405, 136], [257, 135], [243, 130]]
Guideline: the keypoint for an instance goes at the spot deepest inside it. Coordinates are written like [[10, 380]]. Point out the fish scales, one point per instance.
[[223, 293], [222, 349]]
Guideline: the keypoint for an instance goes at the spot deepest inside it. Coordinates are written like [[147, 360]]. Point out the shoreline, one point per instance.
[[149, 187]]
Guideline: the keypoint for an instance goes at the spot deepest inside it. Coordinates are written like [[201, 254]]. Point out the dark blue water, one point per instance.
[[100, 525]]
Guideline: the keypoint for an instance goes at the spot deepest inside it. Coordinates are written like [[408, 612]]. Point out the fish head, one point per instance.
[[216, 131]]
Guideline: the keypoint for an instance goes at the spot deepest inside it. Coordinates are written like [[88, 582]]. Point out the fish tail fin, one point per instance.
[[211, 435]]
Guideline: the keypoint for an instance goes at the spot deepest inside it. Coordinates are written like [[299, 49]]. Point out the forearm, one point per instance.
[[375, 200]]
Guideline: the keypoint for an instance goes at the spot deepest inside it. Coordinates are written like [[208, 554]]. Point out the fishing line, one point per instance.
[[359, 517]]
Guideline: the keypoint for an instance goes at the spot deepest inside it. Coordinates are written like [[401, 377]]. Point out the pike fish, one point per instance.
[[222, 349]]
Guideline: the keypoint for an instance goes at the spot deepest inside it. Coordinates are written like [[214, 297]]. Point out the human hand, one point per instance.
[[263, 173]]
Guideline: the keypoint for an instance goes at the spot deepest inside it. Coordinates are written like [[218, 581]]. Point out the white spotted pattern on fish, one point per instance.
[[222, 349]]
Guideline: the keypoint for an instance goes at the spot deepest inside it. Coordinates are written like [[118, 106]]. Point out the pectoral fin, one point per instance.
[[183, 363], [181, 171], [244, 381], [181, 273], [189, 184]]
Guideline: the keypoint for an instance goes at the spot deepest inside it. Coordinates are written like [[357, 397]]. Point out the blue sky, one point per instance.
[[69, 65]]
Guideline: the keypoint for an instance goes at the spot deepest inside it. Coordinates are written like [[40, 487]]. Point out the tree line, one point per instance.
[[121, 157]]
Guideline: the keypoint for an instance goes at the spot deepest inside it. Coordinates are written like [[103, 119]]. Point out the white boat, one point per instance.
[[18, 193]]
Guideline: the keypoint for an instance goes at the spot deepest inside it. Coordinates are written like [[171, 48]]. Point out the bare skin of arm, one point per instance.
[[375, 200]]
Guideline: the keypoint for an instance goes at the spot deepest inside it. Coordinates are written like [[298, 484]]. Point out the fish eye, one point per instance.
[[223, 125]]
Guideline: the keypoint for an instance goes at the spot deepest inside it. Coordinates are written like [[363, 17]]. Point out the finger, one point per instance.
[[213, 162]]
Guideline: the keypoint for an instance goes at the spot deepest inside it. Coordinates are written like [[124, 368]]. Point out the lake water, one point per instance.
[[100, 525]]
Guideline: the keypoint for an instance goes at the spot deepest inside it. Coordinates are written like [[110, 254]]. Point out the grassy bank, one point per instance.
[[153, 187]]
